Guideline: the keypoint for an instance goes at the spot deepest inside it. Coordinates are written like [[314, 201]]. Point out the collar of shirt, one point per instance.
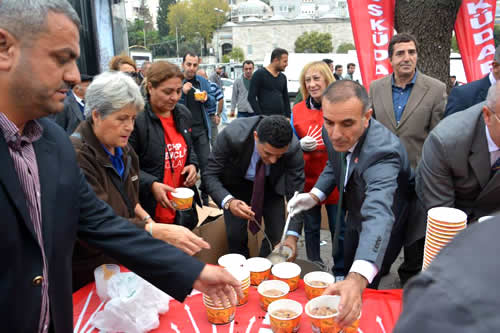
[[412, 82], [116, 159], [493, 81], [492, 147], [250, 174], [78, 99], [348, 162], [32, 131]]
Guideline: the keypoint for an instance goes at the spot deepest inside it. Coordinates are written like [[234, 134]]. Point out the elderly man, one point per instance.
[[372, 171], [460, 161], [464, 96], [44, 198]]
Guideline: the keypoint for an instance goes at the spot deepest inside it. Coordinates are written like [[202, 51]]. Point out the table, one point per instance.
[[381, 309]]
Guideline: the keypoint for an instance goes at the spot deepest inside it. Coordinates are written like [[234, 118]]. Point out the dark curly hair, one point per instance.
[[275, 130]]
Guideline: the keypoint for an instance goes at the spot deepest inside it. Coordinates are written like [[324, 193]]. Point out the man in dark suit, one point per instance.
[[460, 161], [372, 171], [74, 105], [459, 291], [45, 200], [243, 148], [467, 95]]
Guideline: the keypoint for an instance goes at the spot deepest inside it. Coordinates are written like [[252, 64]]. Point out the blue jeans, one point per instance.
[[312, 226]]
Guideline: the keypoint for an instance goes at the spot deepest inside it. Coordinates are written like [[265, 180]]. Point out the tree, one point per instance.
[[136, 34], [236, 54], [496, 33], [196, 18], [314, 42], [454, 44], [432, 23], [344, 47], [162, 18], [145, 15]]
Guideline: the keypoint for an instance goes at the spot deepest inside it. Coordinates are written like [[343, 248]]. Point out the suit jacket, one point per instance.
[[467, 95], [423, 111], [230, 158], [69, 208], [377, 190], [71, 116], [448, 298], [455, 166]]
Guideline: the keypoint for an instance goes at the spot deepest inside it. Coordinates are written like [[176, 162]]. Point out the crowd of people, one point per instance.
[[90, 164]]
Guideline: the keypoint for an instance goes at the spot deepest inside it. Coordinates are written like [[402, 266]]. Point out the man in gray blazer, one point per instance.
[[410, 104], [370, 164], [459, 161], [231, 174], [74, 104]]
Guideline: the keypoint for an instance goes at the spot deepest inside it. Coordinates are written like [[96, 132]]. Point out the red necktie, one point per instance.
[[257, 202]]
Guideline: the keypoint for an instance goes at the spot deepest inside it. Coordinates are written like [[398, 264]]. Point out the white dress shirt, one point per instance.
[[492, 148]]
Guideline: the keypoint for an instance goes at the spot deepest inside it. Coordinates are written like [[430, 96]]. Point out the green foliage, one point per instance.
[[197, 18], [344, 47], [454, 44], [496, 33], [162, 18], [136, 34], [237, 54], [314, 42]]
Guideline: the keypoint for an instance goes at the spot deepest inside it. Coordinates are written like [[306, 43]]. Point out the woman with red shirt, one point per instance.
[[307, 123], [162, 140]]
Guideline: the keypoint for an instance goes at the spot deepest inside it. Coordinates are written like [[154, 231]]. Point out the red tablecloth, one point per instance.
[[381, 309]]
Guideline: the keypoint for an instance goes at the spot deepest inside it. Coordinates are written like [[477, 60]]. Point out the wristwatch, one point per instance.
[[228, 203]]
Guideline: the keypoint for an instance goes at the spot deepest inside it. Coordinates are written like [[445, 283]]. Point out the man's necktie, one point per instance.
[[495, 167], [343, 169], [257, 202]]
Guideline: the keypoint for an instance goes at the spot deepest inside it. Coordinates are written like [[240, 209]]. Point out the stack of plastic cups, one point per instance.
[[443, 223], [241, 274]]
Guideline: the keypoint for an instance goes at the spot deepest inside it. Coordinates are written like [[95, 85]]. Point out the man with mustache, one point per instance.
[[410, 104], [370, 167], [44, 198]]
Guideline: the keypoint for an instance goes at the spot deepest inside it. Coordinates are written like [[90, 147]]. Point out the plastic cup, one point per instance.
[[447, 226], [447, 215], [271, 285], [326, 322], [232, 259], [182, 198], [316, 283], [288, 272], [284, 315], [241, 274], [442, 231], [200, 95], [102, 274], [260, 269]]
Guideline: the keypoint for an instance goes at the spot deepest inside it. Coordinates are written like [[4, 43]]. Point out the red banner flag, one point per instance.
[[373, 27], [474, 31]]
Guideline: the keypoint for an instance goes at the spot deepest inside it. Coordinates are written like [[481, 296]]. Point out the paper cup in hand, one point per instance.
[[316, 283], [182, 198], [323, 312], [102, 274]]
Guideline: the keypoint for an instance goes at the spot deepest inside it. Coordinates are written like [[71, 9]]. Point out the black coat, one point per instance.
[[69, 208], [148, 141], [463, 97]]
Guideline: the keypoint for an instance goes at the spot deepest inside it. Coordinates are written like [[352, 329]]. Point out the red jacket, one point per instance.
[[308, 122]]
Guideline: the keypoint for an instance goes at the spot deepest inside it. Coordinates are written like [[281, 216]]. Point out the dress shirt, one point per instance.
[[493, 81], [250, 174], [24, 159], [79, 100], [492, 148], [400, 96]]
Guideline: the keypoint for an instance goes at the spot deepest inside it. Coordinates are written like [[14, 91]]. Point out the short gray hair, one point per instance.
[[491, 99], [25, 19], [110, 92]]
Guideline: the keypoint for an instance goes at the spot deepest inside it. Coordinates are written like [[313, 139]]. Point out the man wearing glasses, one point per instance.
[[460, 161]]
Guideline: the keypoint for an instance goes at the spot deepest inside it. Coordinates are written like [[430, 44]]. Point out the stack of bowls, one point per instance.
[[443, 224], [241, 274], [219, 313]]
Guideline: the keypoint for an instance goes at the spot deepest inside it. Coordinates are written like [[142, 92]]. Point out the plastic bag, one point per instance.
[[134, 306]]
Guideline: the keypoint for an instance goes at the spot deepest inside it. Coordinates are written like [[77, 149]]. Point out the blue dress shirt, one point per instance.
[[400, 96]]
